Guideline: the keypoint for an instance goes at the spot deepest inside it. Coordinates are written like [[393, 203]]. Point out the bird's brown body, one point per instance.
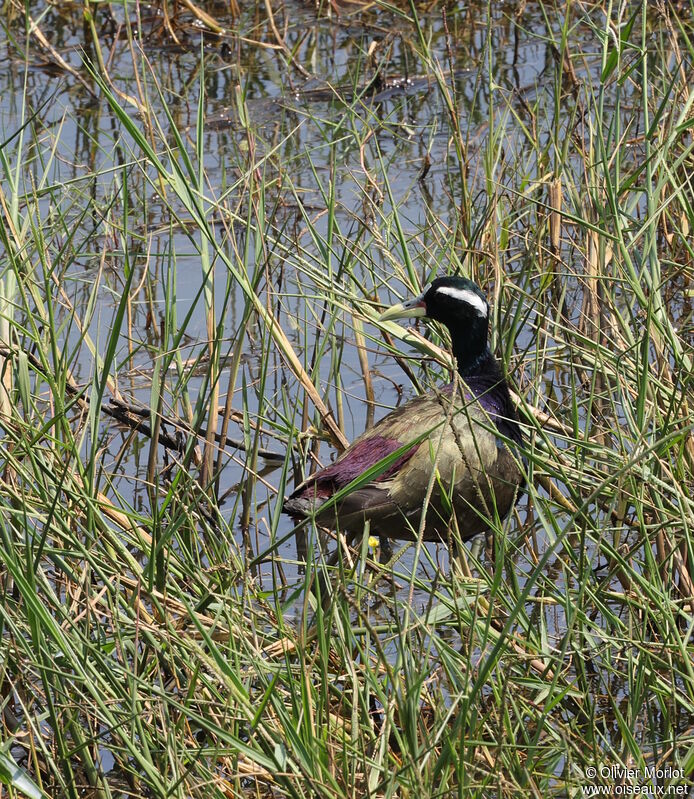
[[475, 474]]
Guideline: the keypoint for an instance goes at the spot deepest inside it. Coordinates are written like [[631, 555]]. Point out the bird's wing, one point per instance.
[[365, 455]]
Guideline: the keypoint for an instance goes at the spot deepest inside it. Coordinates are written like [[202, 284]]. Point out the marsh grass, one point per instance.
[[182, 340]]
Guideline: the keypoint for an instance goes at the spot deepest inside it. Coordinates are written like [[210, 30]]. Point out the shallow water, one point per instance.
[[321, 133], [309, 137]]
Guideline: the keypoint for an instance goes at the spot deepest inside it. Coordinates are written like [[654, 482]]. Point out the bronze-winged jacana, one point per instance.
[[465, 432]]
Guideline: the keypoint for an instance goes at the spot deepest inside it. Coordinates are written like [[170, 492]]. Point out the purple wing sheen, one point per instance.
[[360, 457], [492, 394]]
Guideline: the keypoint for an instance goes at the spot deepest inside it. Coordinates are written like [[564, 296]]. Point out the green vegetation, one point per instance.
[[195, 243]]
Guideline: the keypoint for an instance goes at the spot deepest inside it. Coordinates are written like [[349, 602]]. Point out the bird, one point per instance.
[[444, 461]]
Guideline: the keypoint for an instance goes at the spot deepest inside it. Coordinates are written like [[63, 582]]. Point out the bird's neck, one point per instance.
[[473, 360], [485, 378]]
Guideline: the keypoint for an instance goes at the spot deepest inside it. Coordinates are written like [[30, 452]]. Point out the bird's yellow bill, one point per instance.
[[404, 310]]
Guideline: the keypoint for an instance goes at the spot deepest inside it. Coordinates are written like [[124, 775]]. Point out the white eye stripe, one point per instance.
[[465, 295]]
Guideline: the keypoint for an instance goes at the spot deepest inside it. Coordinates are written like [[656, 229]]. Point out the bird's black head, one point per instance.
[[458, 304]]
